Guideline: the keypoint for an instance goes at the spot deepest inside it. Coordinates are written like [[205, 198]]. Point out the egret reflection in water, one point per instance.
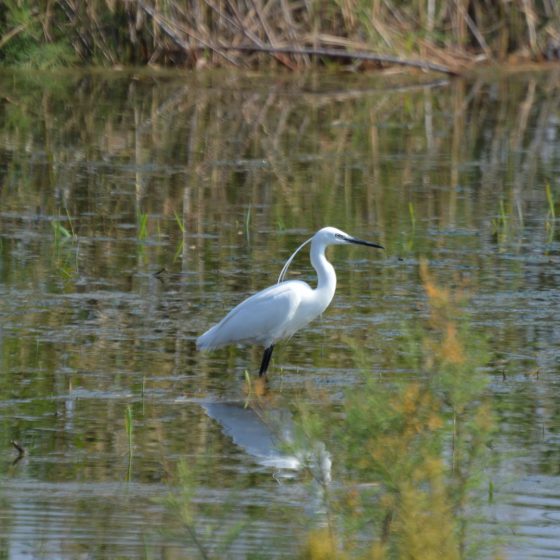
[[268, 437]]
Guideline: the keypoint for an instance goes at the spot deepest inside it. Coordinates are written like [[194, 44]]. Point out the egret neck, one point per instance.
[[326, 276]]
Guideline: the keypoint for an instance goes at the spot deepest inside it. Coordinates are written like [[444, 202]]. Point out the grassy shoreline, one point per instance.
[[295, 35]]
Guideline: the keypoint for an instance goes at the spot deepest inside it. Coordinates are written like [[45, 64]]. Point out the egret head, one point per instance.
[[323, 238], [334, 236]]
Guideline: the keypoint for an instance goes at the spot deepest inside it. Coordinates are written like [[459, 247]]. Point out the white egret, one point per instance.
[[277, 312]]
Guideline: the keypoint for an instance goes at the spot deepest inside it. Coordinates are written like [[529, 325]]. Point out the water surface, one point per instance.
[[136, 209]]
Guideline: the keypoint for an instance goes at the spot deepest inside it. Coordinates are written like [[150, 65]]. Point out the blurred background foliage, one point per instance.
[[198, 33]]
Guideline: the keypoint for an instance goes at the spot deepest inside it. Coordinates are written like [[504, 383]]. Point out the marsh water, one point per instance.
[[137, 208]]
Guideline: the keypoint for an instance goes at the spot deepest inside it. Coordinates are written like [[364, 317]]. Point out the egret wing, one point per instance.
[[261, 319]]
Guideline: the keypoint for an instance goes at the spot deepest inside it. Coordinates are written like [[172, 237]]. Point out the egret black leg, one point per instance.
[[266, 360]]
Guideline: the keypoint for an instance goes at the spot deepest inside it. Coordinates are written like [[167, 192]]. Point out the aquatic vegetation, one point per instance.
[[550, 201], [60, 232], [142, 233], [412, 214], [500, 224], [248, 223], [508, 225], [128, 425], [550, 222], [179, 220], [66, 248]]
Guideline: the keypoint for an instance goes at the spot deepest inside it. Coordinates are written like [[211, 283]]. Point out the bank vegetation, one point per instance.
[[441, 35]]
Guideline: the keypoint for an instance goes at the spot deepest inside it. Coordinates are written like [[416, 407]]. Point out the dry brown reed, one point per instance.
[[257, 33]]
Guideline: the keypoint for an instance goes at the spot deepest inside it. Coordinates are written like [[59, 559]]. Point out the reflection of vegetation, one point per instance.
[[411, 233], [411, 453], [321, 152], [201, 526]]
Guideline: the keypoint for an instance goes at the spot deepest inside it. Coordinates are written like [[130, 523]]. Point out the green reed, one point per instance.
[[142, 226], [550, 222], [66, 248], [129, 427]]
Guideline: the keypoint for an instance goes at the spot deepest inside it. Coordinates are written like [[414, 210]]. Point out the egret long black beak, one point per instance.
[[366, 243], [360, 242]]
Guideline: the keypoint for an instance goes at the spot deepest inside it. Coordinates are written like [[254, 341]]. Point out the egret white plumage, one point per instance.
[[277, 312]]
